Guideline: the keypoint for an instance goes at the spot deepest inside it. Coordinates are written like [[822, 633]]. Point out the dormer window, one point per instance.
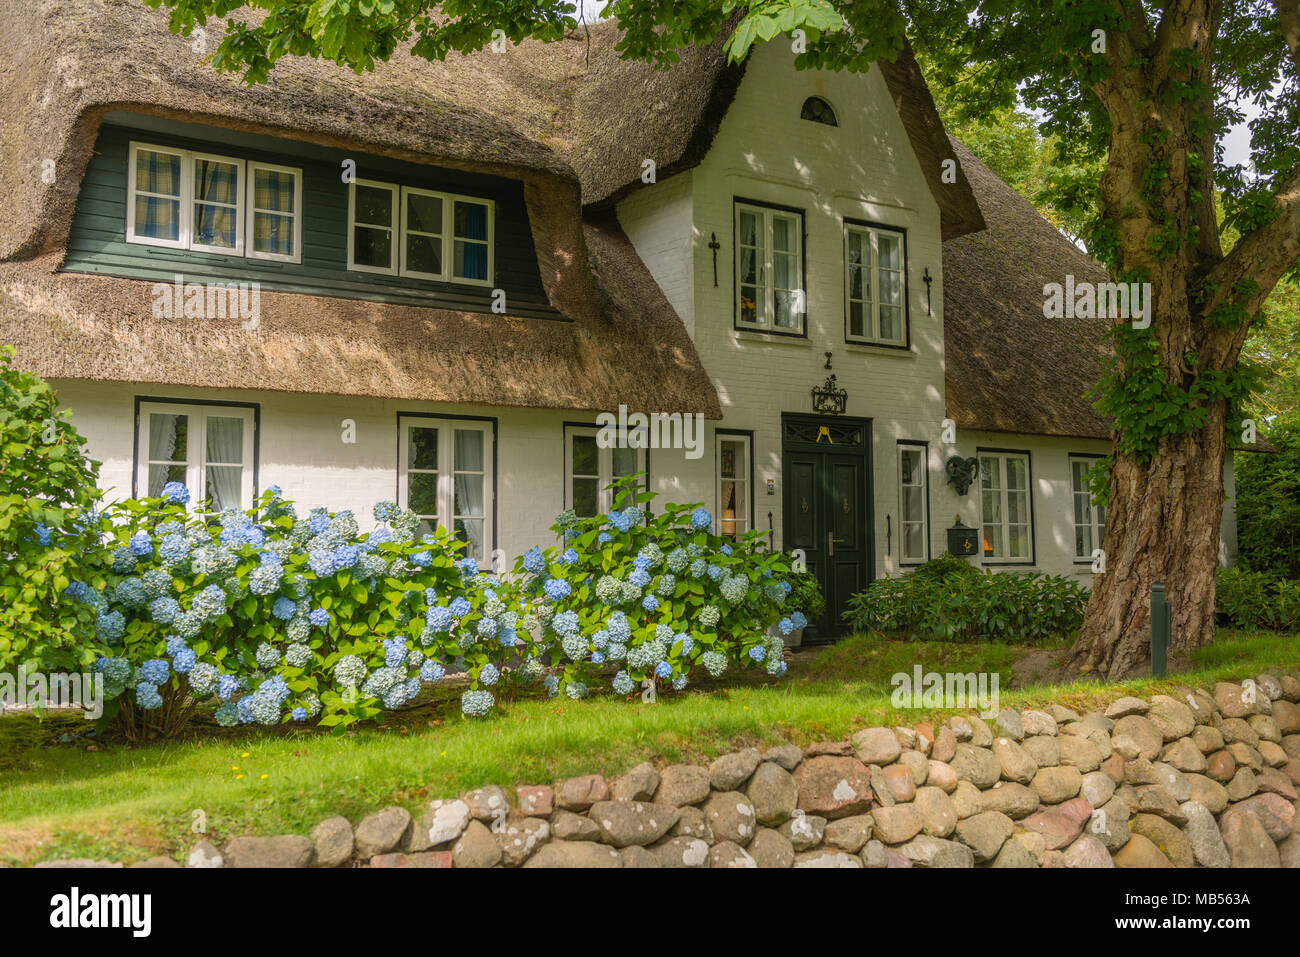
[[818, 111], [402, 230]]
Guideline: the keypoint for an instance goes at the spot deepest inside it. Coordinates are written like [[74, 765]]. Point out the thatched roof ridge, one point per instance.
[[1009, 369]]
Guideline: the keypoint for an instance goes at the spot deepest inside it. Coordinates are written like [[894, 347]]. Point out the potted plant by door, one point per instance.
[[805, 597]]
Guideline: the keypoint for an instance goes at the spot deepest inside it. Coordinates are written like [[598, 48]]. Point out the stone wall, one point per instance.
[[1208, 780]]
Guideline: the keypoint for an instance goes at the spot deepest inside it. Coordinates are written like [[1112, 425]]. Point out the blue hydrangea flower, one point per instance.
[[565, 623], [785, 626], [552, 685], [460, 607], [489, 674], [679, 683], [438, 618], [141, 545], [701, 519], [758, 652], [110, 625], [227, 715], [184, 661], [385, 511], [147, 696], [164, 610], [799, 620], [619, 629], [394, 651], [597, 658], [349, 671], [604, 537], [641, 562], [299, 713], [227, 685], [176, 493], [716, 571], [714, 663], [570, 557], [687, 643], [623, 683], [267, 655], [576, 690], [319, 617], [639, 577], [203, 679], [156, 671], [468, 567], [664, 669], [431, 671], [173, 549], [284, 608], [557, 589], [650, 603], [534, 561], [621, 520]]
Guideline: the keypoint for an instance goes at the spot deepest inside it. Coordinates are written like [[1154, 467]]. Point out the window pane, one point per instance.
[[225, 440], [157, 218], [422, 493], [424, 254], [158, 172], [730, 459], [785, 269], [160, 475], [990, 472], [623, 462], [913, 540], [469, 450], [470, 220], [585, 456], [422, 448], [273, 190], [424, 213], [468, 491], [273, 233], [586, 493], [891, 288], [785, 234], [1081, 516], [909, 460], [168, 437], [215, 225], [748, 266], [787, 310], [374, 205], [992, 506], [855, 319], [222, 486], [1015, 473], [913, 504], [1082, 541], [1018, 539], [1017, 507], [748, 229], [372, 247], [471, 530], [216, 182], [891, 323], [471, 260], [993, 542], [890, 251]]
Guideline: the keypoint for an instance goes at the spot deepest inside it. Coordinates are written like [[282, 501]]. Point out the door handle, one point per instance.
[[830, 544]]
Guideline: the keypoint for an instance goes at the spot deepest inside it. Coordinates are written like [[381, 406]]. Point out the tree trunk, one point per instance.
[[1162, 525]]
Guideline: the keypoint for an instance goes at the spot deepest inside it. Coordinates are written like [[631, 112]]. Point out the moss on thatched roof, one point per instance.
[[1009, 369]]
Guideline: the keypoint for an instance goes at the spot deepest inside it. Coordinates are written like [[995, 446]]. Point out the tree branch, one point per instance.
[[1288, 17]]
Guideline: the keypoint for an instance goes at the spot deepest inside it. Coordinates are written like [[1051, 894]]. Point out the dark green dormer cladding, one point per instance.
[[98, 242]]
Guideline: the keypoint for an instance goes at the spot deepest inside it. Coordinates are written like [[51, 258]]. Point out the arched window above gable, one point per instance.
[[819, 111]]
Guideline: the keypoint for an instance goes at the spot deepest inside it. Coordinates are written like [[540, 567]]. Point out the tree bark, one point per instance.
[[1162, 526]]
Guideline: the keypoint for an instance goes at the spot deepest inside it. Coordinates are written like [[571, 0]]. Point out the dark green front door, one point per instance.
[[827, 504]]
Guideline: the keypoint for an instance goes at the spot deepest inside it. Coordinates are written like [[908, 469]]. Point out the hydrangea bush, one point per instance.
[[289, 618], [654, 598]]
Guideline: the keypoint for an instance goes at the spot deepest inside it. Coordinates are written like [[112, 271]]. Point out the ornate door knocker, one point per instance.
[[846, 506], [803, 506]]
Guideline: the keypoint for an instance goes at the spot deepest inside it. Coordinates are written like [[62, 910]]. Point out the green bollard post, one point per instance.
[[1159, 630]]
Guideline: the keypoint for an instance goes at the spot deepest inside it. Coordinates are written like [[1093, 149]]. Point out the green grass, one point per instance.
[[59, 799]]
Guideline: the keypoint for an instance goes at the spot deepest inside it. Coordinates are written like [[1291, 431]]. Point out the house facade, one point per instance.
[[435, 284]]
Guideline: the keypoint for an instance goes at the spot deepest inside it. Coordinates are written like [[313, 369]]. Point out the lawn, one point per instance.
[[60, 798]]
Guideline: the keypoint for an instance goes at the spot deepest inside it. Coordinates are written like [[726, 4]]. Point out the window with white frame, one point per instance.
[[913, 513], [589, 470], [207, 448], [875, 285], [1089, 518], [769, 269], [445, 477], [274, 212], [215, 204], [403, 230], [733, 453], [1005, 508]]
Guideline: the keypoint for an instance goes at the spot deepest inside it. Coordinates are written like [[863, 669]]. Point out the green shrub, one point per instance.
[[959, 606], [655, 595], [47, 494], [1246, 599], [945, 565], [1268, 503], [806, 596]]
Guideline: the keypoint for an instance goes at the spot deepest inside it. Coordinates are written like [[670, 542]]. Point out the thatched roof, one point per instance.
[[626, 345], [1008, 368], [68, 63], [625, 111]]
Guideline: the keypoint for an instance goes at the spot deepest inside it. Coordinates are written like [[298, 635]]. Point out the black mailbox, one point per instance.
[[963, 541]]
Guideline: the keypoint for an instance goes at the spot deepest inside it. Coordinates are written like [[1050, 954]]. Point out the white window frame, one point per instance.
[[1097, 523], [252, 211], [1003, 458], [406, 230], [871, 317], [238, 248], [447, 473], [395, 192], [746, 470], [766, 272], [923, 451], [605, 466], [197, 446], [449, 220]]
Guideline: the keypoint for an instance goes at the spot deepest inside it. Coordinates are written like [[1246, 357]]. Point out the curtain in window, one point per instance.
[[469, 474], [273, 190], [163, 435], [216, 191], [225, 451], [157, 216]]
